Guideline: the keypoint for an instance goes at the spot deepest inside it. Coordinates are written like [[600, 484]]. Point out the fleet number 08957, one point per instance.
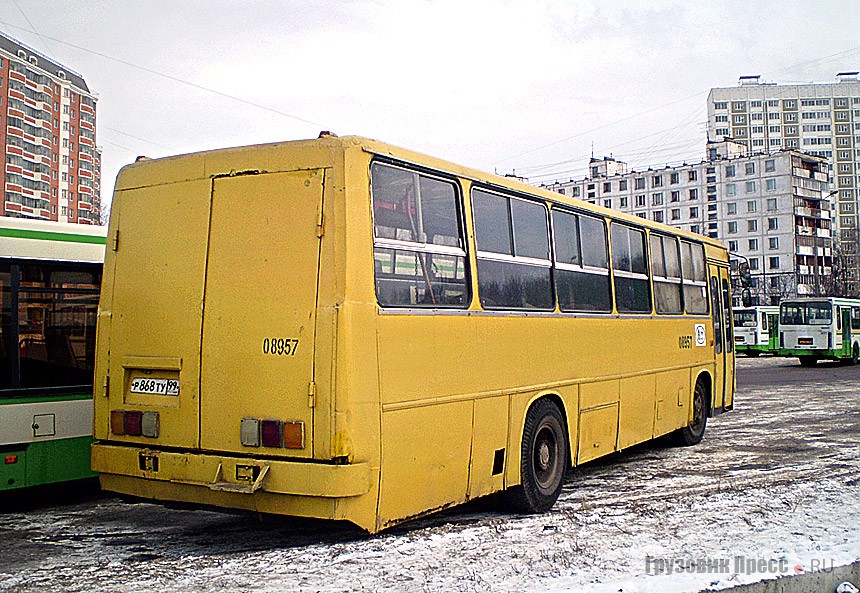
[[280, 346]]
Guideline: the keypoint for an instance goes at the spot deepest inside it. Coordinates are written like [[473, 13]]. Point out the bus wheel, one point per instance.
[[693, 434], [544, 460], [807, 361]]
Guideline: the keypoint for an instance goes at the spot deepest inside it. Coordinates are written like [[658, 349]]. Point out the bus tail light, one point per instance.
[[135, 423], [272, 433], [10, 459]]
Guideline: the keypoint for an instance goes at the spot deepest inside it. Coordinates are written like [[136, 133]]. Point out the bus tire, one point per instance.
[[695, 431], [544, 460], [807, 361]]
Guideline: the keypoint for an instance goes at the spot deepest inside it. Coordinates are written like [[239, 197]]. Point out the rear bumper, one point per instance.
[[822, 353], [234, 476]]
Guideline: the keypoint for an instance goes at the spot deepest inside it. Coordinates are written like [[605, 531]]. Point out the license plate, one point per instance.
[[155, 386], [804, 341]]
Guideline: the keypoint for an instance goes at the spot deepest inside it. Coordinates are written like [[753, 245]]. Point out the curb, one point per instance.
[[813, 582]]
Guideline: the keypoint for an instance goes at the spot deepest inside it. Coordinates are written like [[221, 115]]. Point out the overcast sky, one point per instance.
[[528, 86]]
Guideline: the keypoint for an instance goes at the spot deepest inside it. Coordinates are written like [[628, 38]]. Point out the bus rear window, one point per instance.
[[745, 318], [806, 314]]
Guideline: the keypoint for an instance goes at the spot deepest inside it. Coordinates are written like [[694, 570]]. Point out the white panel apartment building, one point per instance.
[[772, 210], [822, 119]]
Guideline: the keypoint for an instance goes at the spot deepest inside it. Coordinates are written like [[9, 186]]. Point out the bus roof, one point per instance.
[[224, 162], [22, 238]]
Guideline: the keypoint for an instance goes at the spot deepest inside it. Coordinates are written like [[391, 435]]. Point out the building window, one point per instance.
[[753, 261], [771, 204], [657, 199], [752, 206], [731, 208], [694, 193], [694, 212], [773, 262], [732, 227], [730, 189], [622, 185], [733, 245], [721, 105], [750, 168], [772, 224], [773, 243], [657, 181], [692, 175], [639, 183], [676, 214], [607, 203], [673, 178], [753, 244], [750, 187], [730, 170], [607, 187], [575, 191], [640, 200], [752, 225], [623, 201], [770, 184], [658, 216], [675, 196]]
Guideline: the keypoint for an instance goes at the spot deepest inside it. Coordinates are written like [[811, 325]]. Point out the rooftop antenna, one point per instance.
[[592, 150]]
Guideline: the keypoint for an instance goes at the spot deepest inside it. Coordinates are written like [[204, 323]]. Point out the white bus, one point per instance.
[[820, 328], [757, 330]]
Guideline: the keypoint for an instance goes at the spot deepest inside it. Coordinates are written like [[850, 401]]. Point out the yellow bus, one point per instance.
[[343, 329]]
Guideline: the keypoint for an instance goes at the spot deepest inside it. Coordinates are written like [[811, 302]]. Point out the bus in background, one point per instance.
[[820, 328], [50, 274], [343, 329], [756, 330]]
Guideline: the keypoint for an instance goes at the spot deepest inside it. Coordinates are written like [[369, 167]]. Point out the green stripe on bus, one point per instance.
[[51, 236], [15, 400]]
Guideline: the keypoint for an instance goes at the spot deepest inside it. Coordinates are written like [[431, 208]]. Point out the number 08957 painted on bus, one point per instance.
[[462, 334]]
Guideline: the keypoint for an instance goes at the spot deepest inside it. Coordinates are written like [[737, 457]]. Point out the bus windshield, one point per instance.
[[744, 318], [806, 314]]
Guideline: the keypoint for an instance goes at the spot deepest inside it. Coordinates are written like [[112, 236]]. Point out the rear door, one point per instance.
[[156, 311], [260, 310]]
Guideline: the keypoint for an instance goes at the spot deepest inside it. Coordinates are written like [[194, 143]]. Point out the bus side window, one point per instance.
[[855, 318], [581, 263], [512, 240], [666, 270], [630, 269], [419, 259], [695, 283]]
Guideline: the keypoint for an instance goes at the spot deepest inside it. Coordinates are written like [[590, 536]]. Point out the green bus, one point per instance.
[[756, 329], [50, 275], [820, 328]]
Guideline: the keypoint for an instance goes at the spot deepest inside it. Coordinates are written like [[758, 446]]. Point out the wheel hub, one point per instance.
[[543, 456]]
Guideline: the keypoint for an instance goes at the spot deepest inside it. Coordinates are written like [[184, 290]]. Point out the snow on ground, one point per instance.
[[775, 482]]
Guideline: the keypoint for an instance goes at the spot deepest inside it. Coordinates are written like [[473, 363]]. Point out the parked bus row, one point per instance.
[[811, 329]]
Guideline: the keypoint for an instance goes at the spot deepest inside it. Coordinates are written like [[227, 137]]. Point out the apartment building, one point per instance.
[[51, 166], [771, 210], [822, 119]]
